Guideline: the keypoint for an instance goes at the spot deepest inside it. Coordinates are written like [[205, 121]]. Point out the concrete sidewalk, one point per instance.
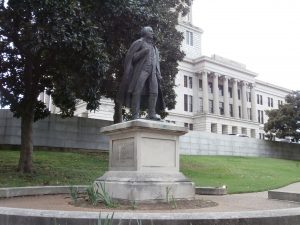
[[288, 193]]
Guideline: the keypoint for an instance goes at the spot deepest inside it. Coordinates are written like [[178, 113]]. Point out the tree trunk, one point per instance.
[[25, 161], [118, 112]]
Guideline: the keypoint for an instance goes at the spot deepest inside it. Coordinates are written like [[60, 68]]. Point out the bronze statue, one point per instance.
[[141, 79]]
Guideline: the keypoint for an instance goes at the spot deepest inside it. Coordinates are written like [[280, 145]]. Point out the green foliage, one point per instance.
[[108, 220], [104, 196], [74, 193], [173, 203], [92, 195], [286, 120], [49, 45]]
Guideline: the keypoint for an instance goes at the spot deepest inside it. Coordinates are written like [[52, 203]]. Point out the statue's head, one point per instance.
[[147, 32]]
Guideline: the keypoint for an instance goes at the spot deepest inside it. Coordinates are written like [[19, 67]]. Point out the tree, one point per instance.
[[52, 46], [122, 21], [286, 120], [74, 50]]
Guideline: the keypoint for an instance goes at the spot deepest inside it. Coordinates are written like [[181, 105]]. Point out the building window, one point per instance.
[[239, 94], [214, 128], [280, 103], [224, 129], [221, 90], [260, 118], [221, 108], [249, 114], [261, 99], [200, 84], [190, 103], [189, 125], [270, 102], [190, 82], [249, 96], [240, 112], [201, 105], [185, 83], [186, 103], [231, 110], [210, 87], [189, 38], [171, 121], [211, 106], [230, 92]]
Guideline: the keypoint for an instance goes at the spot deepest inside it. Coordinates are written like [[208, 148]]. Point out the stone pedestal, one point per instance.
[[144, 162]]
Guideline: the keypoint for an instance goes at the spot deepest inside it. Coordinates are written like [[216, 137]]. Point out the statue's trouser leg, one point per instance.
[[151, 106], [136, 96], [135, 106]]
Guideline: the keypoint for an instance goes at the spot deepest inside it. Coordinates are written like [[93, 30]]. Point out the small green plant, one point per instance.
[[107, 221], [168, 191], [74, 192], [133, 204], [92, 195], [104, 196], [173, 203]]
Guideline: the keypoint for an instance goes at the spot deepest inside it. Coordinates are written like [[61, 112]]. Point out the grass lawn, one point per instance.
[[240, 174], [52, 168]]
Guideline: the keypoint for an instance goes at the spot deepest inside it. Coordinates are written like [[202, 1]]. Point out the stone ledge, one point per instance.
[[142, 124], [211, 190], [14, 216], [37, 190]]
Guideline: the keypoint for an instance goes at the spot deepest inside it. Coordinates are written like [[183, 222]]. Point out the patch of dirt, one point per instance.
[[148, 206], [64, 202]]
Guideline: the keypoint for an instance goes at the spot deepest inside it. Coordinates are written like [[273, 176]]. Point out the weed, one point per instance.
[[74, 192], [104, 196], [173, 203], [168, 191], [92, 195], [133, 205]]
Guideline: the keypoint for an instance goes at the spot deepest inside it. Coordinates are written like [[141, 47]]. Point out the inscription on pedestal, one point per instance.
[[160, 153], [123, 153]]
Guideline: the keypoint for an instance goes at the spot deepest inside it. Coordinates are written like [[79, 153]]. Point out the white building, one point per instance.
[[214, 94]]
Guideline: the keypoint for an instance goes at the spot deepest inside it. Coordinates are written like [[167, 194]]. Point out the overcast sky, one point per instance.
[[262, 34]]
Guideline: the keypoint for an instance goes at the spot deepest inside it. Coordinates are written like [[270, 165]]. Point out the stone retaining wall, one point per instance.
[[55, 132], [84, 133], [202, 143]]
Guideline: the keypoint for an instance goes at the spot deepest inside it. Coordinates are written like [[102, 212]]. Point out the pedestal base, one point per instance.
[[146, 186], [144, 162]]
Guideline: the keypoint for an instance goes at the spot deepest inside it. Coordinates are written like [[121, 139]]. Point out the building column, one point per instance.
[[226, 97], [253, 103], [205, 91], [216, 93], [244, 100], [235, 99]]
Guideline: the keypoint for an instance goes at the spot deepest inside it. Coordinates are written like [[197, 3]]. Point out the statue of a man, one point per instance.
[[140, 86]]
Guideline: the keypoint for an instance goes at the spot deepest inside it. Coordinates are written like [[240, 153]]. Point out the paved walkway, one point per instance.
[[227, 203]]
